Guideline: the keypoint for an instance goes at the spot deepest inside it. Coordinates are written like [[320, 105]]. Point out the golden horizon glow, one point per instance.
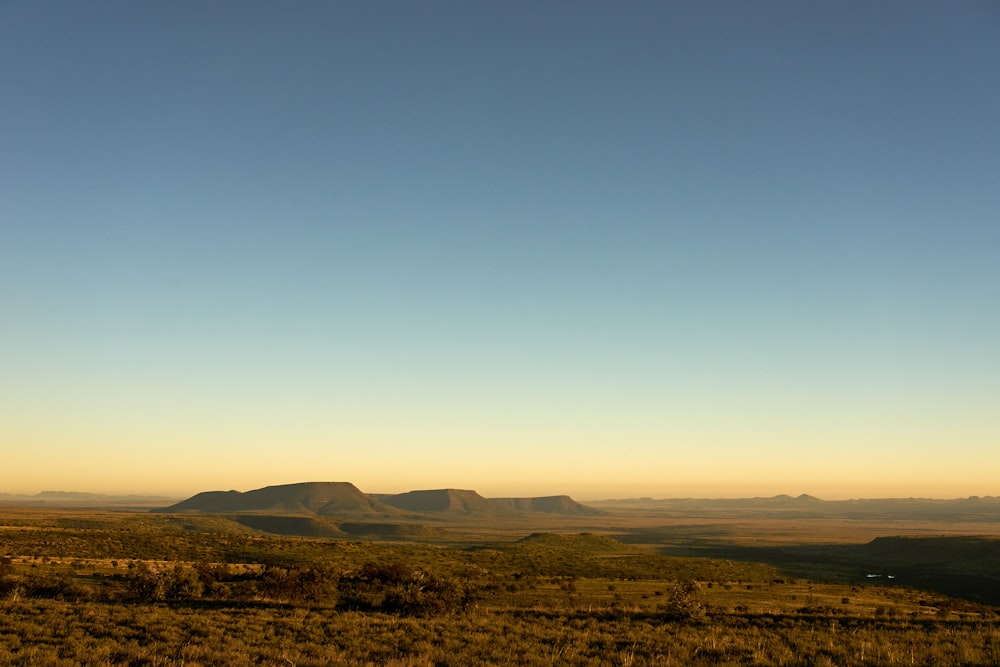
[[624, 280]]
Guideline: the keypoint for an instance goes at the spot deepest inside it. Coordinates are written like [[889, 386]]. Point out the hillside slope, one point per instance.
[[545, 504], [443, 501]]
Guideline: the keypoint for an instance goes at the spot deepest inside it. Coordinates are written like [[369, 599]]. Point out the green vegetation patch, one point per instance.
[[305, 526]]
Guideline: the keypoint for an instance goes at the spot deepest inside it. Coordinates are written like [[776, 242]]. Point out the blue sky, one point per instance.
[[609, 249]]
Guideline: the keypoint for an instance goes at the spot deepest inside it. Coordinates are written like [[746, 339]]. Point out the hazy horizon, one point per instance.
[[508, 491], [608, 250]]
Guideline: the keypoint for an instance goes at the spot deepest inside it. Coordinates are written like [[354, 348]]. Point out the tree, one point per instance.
[[181, 583], [177, 583], [685, 601], [310, 583]]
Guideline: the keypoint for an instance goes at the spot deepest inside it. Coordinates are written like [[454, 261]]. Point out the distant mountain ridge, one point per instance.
[[343, 499], [973, 508], [81, 499]]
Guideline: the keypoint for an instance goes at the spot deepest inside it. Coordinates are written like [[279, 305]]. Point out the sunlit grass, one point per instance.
[[120, 588]]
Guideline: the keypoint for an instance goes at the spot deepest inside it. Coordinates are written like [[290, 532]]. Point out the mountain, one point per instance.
[[438, 501], [545, 504], [321, 498], [343, 499]]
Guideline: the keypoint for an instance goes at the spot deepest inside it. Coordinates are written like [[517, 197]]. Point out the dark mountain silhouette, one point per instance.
[[546, 504], [322, 498]]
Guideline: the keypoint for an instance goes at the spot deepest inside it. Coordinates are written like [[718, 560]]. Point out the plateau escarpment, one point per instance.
[[319, 498], [344, 500], [442, 501], [546, 504]]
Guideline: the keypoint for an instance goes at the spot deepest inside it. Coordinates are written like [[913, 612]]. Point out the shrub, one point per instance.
[[51, 586], [178, 583], [685, 601], [217, 579], [144, 582], [181, 583], [10, 587], [310, 583], [401, 589]]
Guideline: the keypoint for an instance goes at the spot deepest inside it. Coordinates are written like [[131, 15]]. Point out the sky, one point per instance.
[[609, 249]]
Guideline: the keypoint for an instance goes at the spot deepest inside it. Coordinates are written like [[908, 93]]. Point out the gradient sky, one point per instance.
[[610, 249]]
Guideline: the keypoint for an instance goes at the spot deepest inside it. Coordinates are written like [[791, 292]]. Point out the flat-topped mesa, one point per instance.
[[450, 501], [343, 499], [545, 504], [465, 502], [322, 498]]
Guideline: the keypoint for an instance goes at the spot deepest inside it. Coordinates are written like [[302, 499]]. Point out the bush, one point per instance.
[[215, 579], [311, 583], [685, 601], [150, 585], [144, 582], [181, 583], [10, 587], [400, 589], [51, 586]]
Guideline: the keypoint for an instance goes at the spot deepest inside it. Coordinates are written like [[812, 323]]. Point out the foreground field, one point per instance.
[[61, 633], [102, 588]]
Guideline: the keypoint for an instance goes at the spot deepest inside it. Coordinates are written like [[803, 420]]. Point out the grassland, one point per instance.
[[133, 588]]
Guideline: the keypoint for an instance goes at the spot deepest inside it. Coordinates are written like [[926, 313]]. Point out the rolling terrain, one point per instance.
[[949, 546], [259, 587], [323, 573]]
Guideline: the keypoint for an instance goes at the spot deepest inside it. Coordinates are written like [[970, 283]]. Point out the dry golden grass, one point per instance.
[[553, 598]]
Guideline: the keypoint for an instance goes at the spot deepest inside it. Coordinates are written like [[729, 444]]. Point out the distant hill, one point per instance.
[[464, 502], [974, 508], [545, 504], [322, 498], [448, 501], [82, 499]]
